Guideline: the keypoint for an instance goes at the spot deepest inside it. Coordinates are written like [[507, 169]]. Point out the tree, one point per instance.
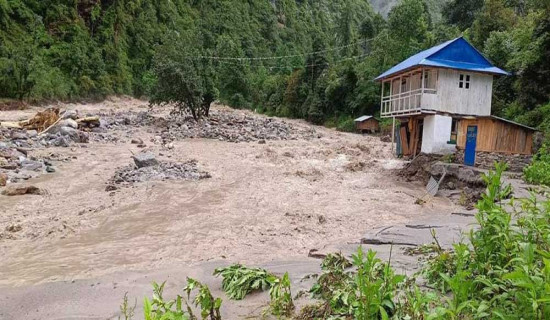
[[183, 78], [462, 13], [494, 16]]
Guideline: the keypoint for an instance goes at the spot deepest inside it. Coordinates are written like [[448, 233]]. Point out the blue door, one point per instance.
[[471, 142]]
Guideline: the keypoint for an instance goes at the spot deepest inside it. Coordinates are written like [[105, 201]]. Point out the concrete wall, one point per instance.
[[436, 134]]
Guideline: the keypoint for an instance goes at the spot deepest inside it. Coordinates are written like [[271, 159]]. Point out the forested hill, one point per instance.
[[320, 55]]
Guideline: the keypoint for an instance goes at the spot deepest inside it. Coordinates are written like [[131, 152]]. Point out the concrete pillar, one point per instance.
[[436, 135]]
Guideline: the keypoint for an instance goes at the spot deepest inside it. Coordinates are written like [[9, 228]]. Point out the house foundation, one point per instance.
[[437, 134]]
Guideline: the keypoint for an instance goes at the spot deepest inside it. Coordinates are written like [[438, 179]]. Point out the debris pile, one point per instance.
[[463, 185], [419, 168], [48, 128], [222, 125], [17, 165], [232, 127], [147, 168], [44, 129]]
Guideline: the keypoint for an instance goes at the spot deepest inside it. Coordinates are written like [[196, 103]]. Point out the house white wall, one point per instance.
[[450, 98], [436, 134]]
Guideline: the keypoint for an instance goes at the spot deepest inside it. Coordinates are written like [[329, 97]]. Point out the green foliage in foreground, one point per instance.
[[238, 280], [160, 309], [538, 171], [502, 272]]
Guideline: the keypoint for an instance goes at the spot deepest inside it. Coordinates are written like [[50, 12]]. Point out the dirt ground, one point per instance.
[[266, 201]]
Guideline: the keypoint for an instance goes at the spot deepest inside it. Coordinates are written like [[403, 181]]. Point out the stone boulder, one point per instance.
[[31, 165], [145, 159], [70, 114], [21, 190]]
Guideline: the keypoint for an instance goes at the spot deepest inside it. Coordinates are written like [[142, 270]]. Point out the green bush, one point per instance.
[[238, 280], [538, 171], [346, 124]]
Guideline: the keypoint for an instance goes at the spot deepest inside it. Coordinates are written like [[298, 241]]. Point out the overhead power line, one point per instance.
[[280, 57], [298, 66]]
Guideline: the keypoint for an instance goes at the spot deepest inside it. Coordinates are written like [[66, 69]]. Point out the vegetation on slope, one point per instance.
[[75, 49]]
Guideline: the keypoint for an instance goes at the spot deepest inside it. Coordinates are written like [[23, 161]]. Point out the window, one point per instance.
[[454, 131], [430, 78], [404, 85], [464, 81]]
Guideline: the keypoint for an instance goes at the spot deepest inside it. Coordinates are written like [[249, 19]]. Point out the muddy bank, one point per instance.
[[461, 184]]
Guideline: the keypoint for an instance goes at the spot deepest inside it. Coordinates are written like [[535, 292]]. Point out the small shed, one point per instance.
[[367, 124], [496, 134]]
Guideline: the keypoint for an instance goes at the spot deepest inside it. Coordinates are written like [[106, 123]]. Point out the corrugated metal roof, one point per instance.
[[453, 54], [363, 118], [513, 122]]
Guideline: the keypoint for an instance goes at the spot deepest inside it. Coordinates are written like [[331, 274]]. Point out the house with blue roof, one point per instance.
[[441, 97]]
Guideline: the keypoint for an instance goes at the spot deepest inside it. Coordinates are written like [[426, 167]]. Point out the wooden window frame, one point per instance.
[[464, 81]]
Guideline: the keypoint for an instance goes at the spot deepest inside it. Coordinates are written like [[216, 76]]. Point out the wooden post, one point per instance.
[[382, 99], [422, 87], [392, 135], [400, 92], [391, 95]]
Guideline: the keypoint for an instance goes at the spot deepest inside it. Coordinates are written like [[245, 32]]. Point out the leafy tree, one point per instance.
[[183, 79], [462, 13]]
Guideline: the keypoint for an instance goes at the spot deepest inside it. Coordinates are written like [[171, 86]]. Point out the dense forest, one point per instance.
[[313, 59]]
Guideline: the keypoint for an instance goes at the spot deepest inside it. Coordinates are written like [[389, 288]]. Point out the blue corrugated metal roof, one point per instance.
[[453, 54]]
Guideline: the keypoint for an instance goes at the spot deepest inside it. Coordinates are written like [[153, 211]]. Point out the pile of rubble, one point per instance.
[[45, 129], [463, 185], [233, 127], [223, 125], [147, 168], [49, 128]]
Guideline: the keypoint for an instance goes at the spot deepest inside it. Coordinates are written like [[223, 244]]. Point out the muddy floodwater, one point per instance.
[[266, 201]]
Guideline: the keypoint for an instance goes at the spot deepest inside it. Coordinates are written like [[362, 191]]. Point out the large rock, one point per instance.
[[64, 124], [68, 123], [61, 142], [21, 190], [31, 165], [74, 134], [145, 159], [70, 114], [18, 135]]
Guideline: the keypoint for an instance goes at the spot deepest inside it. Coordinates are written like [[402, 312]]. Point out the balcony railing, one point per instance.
[[406, 103]]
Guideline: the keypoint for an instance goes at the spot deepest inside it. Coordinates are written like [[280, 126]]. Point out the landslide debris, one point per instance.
[[48, 128], [147, 168], [462, 184], [223, 125]]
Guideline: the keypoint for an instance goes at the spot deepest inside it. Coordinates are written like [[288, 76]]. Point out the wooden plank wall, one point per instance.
[[370, 124], [410, 143], [453, 99], [497, 136]]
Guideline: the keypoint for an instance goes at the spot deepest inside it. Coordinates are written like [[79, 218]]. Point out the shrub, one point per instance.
[[238, 280], [281, 297], [539, 170], [346, 124], [159, 309]]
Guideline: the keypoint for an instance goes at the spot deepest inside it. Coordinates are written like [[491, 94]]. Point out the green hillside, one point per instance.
[[80, 49]]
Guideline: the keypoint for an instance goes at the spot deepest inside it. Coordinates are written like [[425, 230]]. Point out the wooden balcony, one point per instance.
[[408, 93], [406, 103]]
